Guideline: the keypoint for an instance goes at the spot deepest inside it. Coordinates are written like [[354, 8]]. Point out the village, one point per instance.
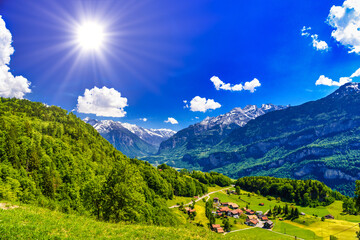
[[229, 209], [226, 210]]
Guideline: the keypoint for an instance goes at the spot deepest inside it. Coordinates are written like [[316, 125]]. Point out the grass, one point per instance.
[[340, 228], [30, 222], [256, 233], [177, 200], [285, 227]]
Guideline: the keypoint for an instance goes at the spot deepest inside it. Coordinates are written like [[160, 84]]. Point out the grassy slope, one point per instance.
[[30, 222]]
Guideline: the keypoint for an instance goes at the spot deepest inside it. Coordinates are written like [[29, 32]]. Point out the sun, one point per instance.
[[90, 36]]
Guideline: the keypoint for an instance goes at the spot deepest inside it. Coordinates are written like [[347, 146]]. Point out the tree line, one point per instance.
[[302, 192]]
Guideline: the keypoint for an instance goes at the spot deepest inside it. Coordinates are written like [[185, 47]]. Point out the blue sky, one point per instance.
[[157, 53]]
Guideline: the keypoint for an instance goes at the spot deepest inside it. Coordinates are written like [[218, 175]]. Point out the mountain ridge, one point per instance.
[[130, 139]]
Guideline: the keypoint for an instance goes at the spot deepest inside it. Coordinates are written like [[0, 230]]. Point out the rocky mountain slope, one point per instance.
[[130, 139], [212, 130], [319, 140]]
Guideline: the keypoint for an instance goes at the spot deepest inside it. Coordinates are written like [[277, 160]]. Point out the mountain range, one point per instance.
[[318, 140], [130, 139]]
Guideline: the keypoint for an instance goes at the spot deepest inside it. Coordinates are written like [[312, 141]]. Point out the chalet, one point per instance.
[[303, 214], [217, 228], [252, 212], [225, 204], [281, 219], [259, 213], [225, 209], [268, 224], [261, 204], [236, 213], [233, 205], [220, 230], [264, 218], [196, 197], [216, 200], [252, 222], [252, 217], [247, 211], [329, 216]]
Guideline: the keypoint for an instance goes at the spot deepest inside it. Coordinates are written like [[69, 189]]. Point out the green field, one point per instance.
[[255, 234], [29, 222]]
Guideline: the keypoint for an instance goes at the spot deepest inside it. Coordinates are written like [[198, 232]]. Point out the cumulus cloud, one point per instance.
[[250, 86], [143, 119], [199, 104], [345, 20], [106, 102], [10, 86], [329, 82], [355, 74], [317, 44], [171, 120]]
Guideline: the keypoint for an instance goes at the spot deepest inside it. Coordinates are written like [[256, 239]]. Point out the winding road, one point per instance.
[[204, 196]]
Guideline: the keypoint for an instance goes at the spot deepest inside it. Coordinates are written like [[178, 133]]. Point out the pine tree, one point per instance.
[[357, 195]]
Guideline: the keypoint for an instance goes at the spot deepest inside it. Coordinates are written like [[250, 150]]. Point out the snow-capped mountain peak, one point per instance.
[[151, 136]]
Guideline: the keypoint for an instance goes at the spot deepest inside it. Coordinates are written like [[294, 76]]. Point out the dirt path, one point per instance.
[[206, 195], [6, 206]]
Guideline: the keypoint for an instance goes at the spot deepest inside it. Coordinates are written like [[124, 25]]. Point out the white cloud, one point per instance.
[[329, 82], [355, 74], [196, 117], [104, 101], [143, 119], [346, 21], [250, 86], [305, 31], [319, 45], [343, 80], [171, 120], [10, 86], [198, 104]]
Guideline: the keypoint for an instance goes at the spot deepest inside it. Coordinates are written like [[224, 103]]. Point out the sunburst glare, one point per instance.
[[90, 36]]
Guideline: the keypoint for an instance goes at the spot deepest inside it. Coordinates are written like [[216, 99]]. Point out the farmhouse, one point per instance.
[[252, 217], [236, 213], [252, 222], [225, 210], [233, 205], [217, 228], [268, 224], [264, 218]]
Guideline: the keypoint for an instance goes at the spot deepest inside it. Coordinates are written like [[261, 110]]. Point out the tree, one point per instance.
[[227, 227], [286, 209], [357, 195], [238, 190]]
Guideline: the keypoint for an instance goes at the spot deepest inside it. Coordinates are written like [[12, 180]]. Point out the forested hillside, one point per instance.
[[316, 140], [303, 192], [52, 158]]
